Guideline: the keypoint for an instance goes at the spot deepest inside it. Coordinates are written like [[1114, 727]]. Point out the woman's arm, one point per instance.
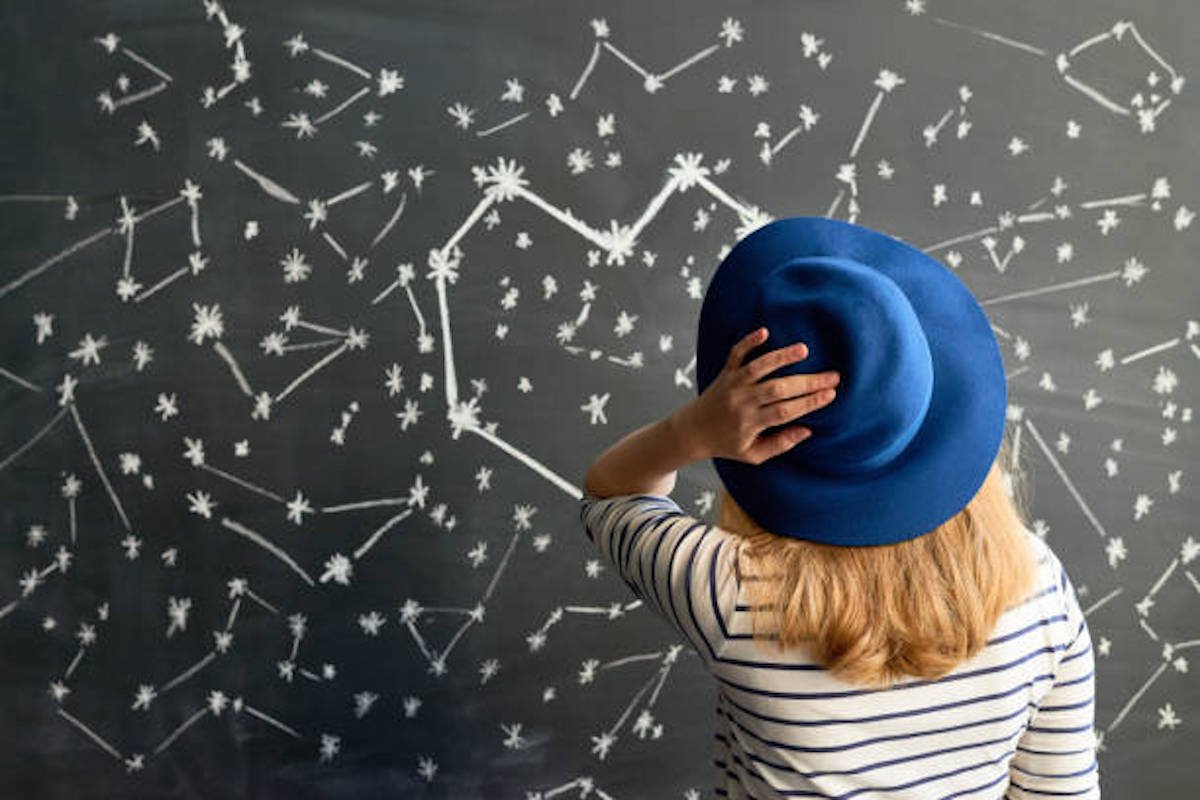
[[645, 461]]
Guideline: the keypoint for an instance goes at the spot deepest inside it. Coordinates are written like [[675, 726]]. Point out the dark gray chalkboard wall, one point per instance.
[[279, 658]]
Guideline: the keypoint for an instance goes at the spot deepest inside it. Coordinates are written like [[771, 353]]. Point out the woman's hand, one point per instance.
[[726, 419]]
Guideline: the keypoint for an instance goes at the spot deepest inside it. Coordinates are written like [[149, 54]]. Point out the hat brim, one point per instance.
[[949, 457]]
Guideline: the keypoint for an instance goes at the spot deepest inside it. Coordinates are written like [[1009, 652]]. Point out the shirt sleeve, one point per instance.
[[678, 565], [1056, 756]]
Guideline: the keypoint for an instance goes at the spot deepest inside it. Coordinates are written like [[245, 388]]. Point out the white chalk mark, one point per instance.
[[994, 37], [17, 379], [1135, 697], [287, 348], [267, 185], [262, 602], [1041, 216], [1085, 44], [454, 639], [1096, 605], [610, 47], [720, 194], [233, 612], [333, 112], [575, 224], [1127, 200], [187, 673], [528, 461], [1018, 371], [445, 610], [630, 659], [74, 663], [391, 221], [33, 198], [654, 206], [269, 546], [837, 201], [587, 70], [1163, 578], [254, 712], [341, 251], [1146, 627], [420, 641], [147, 64], [412, 301], [189, 722], [242, 482], [128, 259], [310, 372], [351, 192], [500, 568], [662, 678], [451, 380], [1153, 53], [223, 352], [87, 441], [510, 121], [50, 262], [1046, 451], [341, 62], [633, 703], [295, 645], [966, 237], [384, 528], [319, 328], [1149, 351], [158, 209], [6, 610], [387, 501], [91, 734], [682, 65], [174, 276], [1056, 287], [1095, 94], [195, 207], [1192, 579], [137, 97], [866, 123]]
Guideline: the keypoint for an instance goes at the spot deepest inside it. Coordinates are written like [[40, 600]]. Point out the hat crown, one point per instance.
[[857, 321]]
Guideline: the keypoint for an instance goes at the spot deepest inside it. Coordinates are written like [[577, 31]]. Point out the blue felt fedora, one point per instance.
[[920, 408]]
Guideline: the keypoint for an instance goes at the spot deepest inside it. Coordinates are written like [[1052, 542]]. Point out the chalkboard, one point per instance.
[[315, 315]]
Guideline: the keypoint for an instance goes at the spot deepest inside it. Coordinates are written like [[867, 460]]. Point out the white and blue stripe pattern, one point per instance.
[[1015, 721]]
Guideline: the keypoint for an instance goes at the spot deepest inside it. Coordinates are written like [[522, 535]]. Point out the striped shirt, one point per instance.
[[1014, 721]]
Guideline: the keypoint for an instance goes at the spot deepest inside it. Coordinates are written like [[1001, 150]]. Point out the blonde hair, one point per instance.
[[874, 614]]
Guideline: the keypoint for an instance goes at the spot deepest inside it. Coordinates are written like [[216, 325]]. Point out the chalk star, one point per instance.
[[298, 507]]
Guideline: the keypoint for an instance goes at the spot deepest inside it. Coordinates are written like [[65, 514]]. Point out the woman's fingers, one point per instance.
[[791, 386], [745, 345], [786, 410], [778, 442], [769, 362]]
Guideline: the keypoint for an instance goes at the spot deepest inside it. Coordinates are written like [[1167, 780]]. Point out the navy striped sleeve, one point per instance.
[[665, 557], [1056, 756]]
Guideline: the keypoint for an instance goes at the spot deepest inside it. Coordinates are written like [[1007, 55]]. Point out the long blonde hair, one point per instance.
[[874, 614]]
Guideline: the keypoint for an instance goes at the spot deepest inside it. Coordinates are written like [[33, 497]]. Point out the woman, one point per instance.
[[878, 617]]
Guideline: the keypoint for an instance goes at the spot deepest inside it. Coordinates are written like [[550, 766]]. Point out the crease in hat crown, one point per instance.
[[857, 321]]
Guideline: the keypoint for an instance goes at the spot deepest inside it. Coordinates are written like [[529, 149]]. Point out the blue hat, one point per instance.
[[920, 408]]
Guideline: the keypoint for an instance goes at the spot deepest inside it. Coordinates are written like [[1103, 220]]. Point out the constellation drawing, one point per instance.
[[1146, 109], [334, 528]]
